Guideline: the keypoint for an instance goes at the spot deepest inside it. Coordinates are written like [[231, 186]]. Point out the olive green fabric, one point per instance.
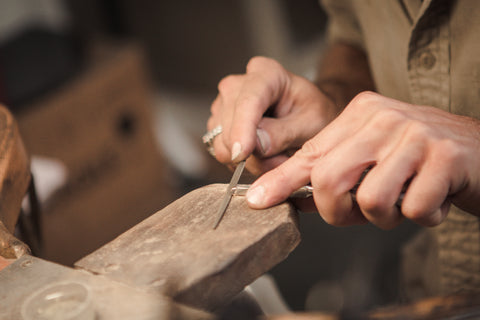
[[426, 53]]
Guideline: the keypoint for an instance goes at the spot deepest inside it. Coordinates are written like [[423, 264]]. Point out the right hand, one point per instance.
[[297, 109], [433, 152]]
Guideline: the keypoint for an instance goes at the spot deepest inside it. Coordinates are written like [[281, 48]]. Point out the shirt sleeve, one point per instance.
[[342, 25]]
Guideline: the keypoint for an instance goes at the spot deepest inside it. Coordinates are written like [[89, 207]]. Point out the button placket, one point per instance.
[[427, 60]]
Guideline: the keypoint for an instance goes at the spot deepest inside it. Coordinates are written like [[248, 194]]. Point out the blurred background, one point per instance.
[[112, 98]]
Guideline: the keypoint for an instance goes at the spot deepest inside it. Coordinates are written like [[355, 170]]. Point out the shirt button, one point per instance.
[[427, 60]]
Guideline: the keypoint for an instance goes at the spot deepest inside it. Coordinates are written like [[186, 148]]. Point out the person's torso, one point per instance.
[[428, 53]]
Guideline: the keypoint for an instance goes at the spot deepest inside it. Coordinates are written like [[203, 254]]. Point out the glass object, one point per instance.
[[60, 301]]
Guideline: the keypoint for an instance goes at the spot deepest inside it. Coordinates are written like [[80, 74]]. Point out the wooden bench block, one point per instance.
[[110, 300], [177, 252]]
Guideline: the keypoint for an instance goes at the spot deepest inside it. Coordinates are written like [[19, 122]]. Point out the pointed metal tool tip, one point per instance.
[[228, 194]]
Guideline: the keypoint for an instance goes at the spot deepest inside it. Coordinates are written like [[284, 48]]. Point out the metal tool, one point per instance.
[[306, 192], [228, 194], [303, 192]]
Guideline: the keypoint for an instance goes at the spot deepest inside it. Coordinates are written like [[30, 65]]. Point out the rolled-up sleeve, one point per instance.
[[343, 25]]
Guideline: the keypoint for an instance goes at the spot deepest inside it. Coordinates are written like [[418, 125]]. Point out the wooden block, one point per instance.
[[177, 252], [14, 170], [110, 300]]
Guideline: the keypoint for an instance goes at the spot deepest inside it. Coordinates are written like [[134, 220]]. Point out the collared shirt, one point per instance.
[[425, 53]]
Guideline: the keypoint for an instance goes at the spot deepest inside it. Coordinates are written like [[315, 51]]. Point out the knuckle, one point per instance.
[[370, 202], [417, 130], [365, 98], [336, 218], [310, 149], [385, 119], [227, 83], [390, 116], [427, 217], [320, 180], [214, 108], [414, 213]]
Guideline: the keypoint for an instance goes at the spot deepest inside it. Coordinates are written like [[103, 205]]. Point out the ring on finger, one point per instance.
[[209, 137]]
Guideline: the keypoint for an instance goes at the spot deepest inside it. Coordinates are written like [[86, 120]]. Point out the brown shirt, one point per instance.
[[424, 52]]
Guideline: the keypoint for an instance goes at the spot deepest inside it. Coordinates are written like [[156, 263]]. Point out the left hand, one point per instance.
[[438, 152], [298, 111]]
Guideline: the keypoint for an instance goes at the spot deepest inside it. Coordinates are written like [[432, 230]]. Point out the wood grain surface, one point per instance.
[[110, 300], [177, 252]]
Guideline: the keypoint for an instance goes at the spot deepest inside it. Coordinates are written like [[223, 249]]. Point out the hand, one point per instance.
[[299, 111], [437, 152]]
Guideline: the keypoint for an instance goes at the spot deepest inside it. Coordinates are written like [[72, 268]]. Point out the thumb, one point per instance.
[[276, 135]]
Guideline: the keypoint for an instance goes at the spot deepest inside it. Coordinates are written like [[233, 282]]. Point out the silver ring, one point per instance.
[[208, 138]]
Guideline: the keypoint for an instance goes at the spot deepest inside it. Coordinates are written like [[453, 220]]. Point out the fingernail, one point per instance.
[[263, 140], [256, 195], [236, 149]]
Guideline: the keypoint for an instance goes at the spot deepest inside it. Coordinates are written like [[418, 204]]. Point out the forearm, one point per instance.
[[343, 72]]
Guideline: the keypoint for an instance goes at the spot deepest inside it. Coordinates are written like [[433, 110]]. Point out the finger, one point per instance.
[[214, 113], [425, 201], [222, 153], [340, 169], [277, 184], [333, 176], [379, 191], [222, 110], [274, 136], [264, 83]]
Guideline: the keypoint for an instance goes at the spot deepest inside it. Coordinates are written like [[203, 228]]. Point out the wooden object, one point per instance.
[[110, 299], [14, 170], [14, 180], [177, 252]]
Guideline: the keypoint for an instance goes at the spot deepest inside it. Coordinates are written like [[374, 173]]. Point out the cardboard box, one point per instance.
[[100, 126]]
